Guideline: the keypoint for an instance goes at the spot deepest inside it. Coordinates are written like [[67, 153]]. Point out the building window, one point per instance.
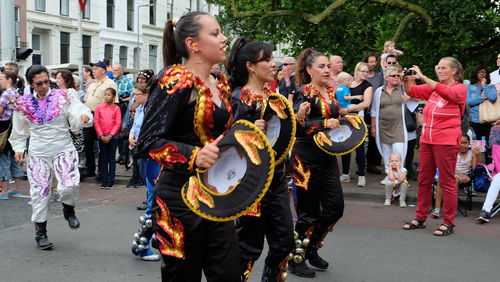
[[152, 12], [108, 52], [64, 8], [86, 12], [123, 56], [130, 15], [18, 27], [40, 5], [36, 58], [86, 46], [64, 47], [153, 50], [110, 12]]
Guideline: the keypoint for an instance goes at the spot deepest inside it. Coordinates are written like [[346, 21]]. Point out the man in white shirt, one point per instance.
[[495, 75]]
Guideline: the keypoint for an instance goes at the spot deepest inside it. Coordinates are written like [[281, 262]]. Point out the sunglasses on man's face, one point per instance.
[[288, 64], [392, 63], [40, 83], [395, 75]]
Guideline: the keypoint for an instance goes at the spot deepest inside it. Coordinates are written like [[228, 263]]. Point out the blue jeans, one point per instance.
[[151, 170], [107, 163]]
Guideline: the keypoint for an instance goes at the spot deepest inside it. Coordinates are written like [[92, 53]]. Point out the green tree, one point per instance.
[[426, 30]]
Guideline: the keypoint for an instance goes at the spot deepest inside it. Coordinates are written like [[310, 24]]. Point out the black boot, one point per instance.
[[273, 275], [41, 236], [315, 260], [69, 215], [301, 269]]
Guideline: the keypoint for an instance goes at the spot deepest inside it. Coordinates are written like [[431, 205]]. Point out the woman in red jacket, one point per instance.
[[440, 139]]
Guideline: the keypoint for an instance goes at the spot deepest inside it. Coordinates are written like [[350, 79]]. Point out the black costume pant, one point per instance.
[[208, 245], [360, 161], [373, 157], [275, 223], [322, 204], [89, 137]]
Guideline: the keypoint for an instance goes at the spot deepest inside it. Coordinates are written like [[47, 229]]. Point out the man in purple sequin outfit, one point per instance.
[[45, 117]]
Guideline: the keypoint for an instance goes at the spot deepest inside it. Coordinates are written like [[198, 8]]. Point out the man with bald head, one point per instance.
[[287, 84], [336, 67]]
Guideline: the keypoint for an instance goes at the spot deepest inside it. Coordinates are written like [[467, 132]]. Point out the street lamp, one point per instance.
[[138, 25]]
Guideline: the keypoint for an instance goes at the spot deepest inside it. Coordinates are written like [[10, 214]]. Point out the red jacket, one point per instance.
[[442, 112]]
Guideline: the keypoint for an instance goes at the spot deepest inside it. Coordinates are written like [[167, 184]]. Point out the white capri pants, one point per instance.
[[392, 148]]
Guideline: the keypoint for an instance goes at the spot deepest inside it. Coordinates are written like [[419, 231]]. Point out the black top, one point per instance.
[[360, 90], [170, 118], [304, 145]]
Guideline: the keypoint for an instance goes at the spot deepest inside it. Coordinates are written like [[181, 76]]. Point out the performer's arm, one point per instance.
[[20, 133], [76, 110], [160, 117]]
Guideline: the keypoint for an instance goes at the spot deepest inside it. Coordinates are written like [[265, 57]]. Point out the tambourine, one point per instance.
[[344, 139], [238, 180], [280, 125]]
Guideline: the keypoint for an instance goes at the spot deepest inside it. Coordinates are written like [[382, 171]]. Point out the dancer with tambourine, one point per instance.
[[251, 65], [187, 112], [320, 201]]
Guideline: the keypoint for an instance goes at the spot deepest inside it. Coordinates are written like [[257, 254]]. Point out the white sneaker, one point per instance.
[[384, 181], [402, 203], [153, 257], [387, 202], [345, 178], [361, 181]]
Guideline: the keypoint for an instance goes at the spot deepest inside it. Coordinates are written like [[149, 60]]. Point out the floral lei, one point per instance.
[[310, 91], [248, 97], [178, 77], [42, 111]]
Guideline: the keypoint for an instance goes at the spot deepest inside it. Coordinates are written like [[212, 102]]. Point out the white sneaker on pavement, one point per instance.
[[387, 202], [153, 257], [384, 181], [345, 178], [361, 181]]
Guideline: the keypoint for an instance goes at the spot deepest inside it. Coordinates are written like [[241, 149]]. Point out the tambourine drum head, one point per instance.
[[273, 129], [239, 178], [227, 172], [350, 134], [340, 134]]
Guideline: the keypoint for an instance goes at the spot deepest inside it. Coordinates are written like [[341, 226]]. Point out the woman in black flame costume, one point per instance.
[[251, 65], [320, 200], [187, 113]]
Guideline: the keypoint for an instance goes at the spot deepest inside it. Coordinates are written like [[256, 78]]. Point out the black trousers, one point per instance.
[[275, 223], [322, 204], [89, 137], [208, 246], [373, 157], [360, 161]]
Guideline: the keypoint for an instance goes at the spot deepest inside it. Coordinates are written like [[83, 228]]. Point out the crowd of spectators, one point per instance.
[[394, 120]]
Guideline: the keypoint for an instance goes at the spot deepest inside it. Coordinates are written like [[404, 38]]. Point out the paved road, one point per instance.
[[367, 245]]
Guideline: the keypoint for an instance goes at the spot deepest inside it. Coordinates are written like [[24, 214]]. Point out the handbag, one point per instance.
[[410, 120], [3, 138], [489, 112]]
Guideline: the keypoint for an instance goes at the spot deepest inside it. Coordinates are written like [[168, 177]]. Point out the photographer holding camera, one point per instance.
[[440, 139]]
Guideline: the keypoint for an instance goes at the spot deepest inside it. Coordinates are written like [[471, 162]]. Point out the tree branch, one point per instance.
[[402, 26], [412, 8], [317, 18]]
